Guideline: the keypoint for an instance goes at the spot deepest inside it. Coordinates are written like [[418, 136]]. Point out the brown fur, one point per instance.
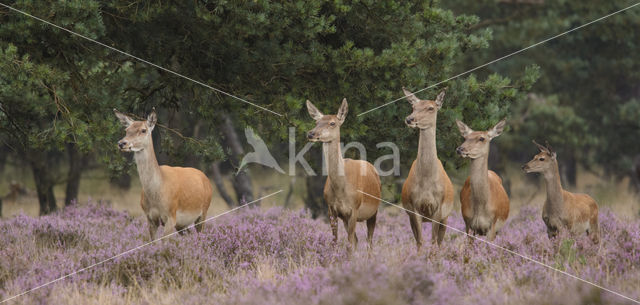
[[445, 202], [447, 197], [346, 179], [581, 208], [427, 191], [175, 197], [368, 183], [485, 204], [498, 203], [575, 212], [187, 190]]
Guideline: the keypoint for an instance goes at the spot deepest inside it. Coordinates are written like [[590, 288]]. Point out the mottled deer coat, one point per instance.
[[175, 197], [347, 179]]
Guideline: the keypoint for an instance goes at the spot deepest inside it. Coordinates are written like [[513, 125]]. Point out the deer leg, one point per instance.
[[350, 225], [416, 227], [153, 228], [333, 222], [170, 225], [199, 224], [492, 232], [371, 226], [181, 230], [594, 230], [469, 234], [346, 228], [438, 231]]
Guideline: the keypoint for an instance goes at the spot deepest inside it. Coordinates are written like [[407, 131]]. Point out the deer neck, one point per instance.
[[555, 200], [148, 169], [479, 179], [335, 164], [427, 161]]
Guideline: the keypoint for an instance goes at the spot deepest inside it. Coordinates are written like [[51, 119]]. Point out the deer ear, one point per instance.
[[440, 98], [152, 118], [410, 96], [497, 130], [550, 150], [125, 120], [464, 129], [540, 147], [313, 111], [342, 112]]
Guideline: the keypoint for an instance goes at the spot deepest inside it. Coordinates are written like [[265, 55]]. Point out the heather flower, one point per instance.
[[279, 256]]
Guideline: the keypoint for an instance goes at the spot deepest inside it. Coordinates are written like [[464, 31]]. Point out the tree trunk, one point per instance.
[[315, 199], [572, 170], [635, 173], [569, 169], [192, 159], [4, 152], [292, 184], [241, 182], [44, 183], [218, 181], [77, 164]]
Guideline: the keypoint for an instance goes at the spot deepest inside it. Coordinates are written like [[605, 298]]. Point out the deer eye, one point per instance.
[[542, 159], [431, 108], [481, 139], [332, 123], [144, 131]]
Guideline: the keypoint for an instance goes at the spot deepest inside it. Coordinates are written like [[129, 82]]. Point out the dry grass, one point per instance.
[[616, 195]]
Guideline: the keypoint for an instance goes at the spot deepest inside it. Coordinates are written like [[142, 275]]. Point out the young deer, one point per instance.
[[346, 177], [485, 204], [427, 190], [576, 212], [175, 197]]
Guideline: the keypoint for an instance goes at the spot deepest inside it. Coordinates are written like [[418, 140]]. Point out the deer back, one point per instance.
[[186, 188]]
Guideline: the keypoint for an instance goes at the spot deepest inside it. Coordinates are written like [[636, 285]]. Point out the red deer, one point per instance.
[[428, 190], [485, 204], [562, 209], [175, 197], [346, 180]]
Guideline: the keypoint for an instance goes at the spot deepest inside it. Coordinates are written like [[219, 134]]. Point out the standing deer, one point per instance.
[[427, 190], [562, 209], [485, 204], [175, 197], [346, 179]]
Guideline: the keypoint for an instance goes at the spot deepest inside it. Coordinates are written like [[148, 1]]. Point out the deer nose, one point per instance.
[[310, 135], [409, 120], [524, 167], [121, 144], [459, 150]]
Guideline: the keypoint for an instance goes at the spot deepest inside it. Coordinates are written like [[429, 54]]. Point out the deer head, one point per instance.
[[424, 112], [476, 143], [541, 162], [327, 126], [138, 133]]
